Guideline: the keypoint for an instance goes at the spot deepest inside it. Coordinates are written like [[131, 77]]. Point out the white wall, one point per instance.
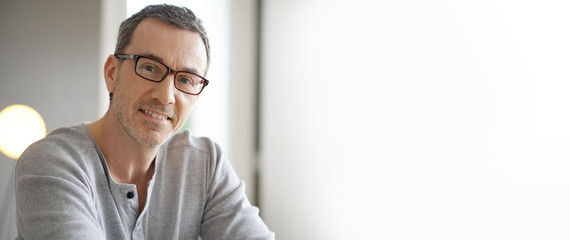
[[242, 117], [112, 14], [416, 119]]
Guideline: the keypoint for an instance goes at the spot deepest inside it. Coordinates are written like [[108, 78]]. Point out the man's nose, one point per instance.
[[165, 90]]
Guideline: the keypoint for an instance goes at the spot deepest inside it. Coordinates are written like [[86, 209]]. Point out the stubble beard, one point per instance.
[[129, 125]]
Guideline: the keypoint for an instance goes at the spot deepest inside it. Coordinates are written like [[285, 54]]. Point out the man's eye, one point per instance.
[[149, 68], [185, 80]]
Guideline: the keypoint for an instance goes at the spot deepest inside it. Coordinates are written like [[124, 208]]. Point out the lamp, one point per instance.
[[20, 126]]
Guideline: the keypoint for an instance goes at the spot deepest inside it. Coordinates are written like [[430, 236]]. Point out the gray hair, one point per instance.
[[180, 17]]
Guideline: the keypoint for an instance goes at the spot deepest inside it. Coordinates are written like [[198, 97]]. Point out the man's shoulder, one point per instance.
[[185, 139], [183, 148], [62, 146], [65, 138]]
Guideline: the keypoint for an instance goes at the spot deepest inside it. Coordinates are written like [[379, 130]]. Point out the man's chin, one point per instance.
[[151, 140]]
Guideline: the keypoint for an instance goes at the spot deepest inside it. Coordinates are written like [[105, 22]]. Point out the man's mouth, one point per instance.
[[155, 115]]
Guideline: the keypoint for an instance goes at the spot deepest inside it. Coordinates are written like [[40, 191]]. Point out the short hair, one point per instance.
[[180, 17]]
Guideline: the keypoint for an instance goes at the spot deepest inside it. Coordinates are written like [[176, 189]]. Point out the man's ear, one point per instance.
[[111, 72]]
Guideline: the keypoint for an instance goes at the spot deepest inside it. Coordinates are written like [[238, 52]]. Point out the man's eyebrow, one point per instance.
[[153, 57], [157, 58]]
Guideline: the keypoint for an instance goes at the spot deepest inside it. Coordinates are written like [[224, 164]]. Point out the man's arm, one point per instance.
[[53, 198], [228, 213]]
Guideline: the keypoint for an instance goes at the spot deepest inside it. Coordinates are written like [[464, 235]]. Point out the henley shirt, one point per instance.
[[64, 190]]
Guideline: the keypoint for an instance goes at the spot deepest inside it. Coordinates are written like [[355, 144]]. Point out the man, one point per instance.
[[130, 175]]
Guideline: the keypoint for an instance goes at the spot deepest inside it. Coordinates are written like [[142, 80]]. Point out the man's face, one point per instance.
[[151, 112]]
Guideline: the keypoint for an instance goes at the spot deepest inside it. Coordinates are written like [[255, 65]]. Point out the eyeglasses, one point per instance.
[[156, 71]]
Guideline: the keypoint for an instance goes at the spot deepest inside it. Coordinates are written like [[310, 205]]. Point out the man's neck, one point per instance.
[[129, 161]]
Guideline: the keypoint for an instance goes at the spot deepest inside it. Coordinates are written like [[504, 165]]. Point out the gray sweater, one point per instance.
[[64, 191]]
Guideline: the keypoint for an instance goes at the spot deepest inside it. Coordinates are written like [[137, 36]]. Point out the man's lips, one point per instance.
[[155, 114]]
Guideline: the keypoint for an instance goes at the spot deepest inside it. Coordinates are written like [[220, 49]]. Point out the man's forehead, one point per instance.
[[161, 60], [161, 41]]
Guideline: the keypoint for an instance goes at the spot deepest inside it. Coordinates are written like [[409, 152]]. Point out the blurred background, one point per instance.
[[346, 119]]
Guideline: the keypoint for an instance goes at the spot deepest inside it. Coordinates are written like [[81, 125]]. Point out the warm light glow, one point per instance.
[[20, 126]]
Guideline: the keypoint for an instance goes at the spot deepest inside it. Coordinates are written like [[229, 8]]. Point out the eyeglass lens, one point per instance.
[[156, 72]]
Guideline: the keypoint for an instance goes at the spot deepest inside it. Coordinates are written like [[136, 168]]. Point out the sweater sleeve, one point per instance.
[[228, 213], [54, 199]]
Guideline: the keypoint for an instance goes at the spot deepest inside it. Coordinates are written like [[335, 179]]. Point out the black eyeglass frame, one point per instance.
[[169, 70]]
